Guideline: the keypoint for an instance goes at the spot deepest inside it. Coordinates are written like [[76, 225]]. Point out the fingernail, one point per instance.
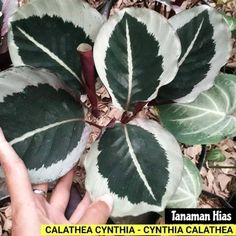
[[108, 199]]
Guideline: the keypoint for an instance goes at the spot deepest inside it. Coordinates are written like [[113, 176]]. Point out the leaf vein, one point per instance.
[[191, 45], [42, 129], [205, 128], [49, 53], [137, 165], [130, 66]]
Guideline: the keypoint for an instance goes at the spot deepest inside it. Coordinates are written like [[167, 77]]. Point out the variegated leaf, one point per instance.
[[140, 164], [135, 53], [47, 33], [42, 121], [231, 22], [208, 119], [206, 47], [189, 189]]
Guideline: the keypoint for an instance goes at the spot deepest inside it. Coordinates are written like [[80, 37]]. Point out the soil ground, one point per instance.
[[218, 178]]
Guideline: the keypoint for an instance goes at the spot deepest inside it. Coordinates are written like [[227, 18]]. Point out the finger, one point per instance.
[[43, 187], [17, 178], [99, 211], [80, 209], [61, 193]]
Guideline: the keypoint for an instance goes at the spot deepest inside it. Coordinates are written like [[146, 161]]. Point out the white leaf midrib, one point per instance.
[[136, 163], [191, 45], [219, 113], [211, 100], [190, 117], [224, 94], [49, 53], [130, 66], [42, 129], [204, 128], [218, 131]]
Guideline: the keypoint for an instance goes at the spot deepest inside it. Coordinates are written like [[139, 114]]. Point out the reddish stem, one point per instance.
[[88, 73], [127, 116]]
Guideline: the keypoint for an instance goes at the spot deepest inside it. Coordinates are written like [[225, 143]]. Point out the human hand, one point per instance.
[[30, 210]]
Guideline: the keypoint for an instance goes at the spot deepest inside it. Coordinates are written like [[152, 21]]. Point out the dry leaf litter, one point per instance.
[[218, 178]]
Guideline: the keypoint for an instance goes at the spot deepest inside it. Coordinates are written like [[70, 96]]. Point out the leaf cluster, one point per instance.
[[142, 59]]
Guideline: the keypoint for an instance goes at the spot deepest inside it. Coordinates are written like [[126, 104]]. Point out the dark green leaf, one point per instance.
[[128, 162], [47, 33], [132, 58], [42, 121], [206, 47]]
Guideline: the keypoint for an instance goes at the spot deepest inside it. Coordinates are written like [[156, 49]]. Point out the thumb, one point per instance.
[[7, 154], [16, 174], [99, 211]]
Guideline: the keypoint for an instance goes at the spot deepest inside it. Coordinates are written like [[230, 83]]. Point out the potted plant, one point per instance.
[[139, 56]]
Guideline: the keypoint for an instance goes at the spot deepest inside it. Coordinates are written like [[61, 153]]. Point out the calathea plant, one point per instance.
[[139, 56]]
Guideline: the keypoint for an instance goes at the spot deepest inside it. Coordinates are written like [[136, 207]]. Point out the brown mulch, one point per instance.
[[5, 221], [218, 177], [232, 61]]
